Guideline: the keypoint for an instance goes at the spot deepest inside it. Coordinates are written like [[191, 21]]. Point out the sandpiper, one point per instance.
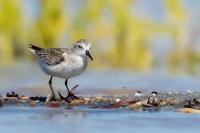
[[63, 63]]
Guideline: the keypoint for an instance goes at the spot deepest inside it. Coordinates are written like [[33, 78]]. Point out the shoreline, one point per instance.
[[111, 99]]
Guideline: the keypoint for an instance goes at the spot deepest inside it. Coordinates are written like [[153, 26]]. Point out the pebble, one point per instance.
[[137, 105], [188, 110], [78, 101]]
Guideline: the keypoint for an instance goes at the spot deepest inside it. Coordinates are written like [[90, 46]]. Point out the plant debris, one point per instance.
[[180, 102]]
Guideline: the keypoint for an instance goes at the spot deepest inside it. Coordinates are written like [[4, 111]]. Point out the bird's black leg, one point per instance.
[[53, 94], [70, 94], [66, 84]]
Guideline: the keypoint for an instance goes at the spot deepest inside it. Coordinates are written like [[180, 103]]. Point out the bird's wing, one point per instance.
[[51, 56]]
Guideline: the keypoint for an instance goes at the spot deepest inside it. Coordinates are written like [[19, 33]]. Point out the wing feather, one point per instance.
[[52, 56]]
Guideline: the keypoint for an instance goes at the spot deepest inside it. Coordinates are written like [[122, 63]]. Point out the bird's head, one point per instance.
[[82, 47]]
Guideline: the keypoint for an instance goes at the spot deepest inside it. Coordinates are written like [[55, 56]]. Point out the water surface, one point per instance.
[[30, 76], [81, 119], [84, 119]]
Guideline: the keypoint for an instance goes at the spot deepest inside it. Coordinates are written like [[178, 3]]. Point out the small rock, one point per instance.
[[87, 100], [78, 101], [24, 98], [173, 101], [188, 110], [117, 100], [163, 103], [137, 105]]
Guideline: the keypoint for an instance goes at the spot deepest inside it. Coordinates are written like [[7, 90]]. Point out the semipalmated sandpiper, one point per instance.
[[63, 62]]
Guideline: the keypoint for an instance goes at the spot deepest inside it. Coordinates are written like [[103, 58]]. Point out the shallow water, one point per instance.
[[30, 76], [84, 119], [81, 119]]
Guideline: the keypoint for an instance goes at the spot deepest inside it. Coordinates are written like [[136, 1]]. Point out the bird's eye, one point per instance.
[[79, 46]]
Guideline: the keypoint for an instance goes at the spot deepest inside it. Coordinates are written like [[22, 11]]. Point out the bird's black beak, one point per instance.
[[89, 55]]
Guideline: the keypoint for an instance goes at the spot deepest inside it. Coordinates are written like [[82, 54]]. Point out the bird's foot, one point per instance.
[[70, 97], [51, 98]]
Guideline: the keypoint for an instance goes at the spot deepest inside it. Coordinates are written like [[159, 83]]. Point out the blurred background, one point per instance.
[[132, 35]]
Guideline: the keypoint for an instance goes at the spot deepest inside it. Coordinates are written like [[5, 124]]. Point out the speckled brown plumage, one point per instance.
[[52, 56]]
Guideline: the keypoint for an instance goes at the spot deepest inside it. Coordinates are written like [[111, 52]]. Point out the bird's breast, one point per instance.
[[74, 66]]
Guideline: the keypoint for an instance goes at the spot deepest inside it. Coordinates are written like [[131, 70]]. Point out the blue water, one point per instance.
[[87, 120], [78, 120], [30, 76]]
